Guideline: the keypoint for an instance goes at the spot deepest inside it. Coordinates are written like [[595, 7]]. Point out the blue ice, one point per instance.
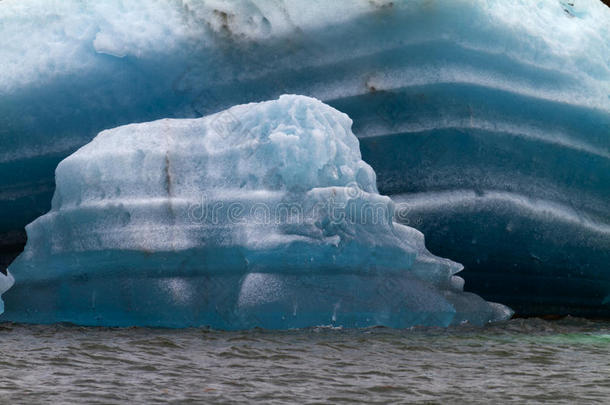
[[263, 215]]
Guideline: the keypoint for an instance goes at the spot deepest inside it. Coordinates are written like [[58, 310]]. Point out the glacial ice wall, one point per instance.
[[487, 120], [263, 215]]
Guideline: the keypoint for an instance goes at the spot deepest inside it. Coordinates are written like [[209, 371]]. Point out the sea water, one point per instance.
[[517, 361]]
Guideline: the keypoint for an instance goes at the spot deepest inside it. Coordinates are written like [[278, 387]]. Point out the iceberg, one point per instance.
[[263, 215], [488, 121]]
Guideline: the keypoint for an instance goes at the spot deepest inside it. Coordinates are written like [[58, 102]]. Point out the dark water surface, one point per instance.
[[566, 361]]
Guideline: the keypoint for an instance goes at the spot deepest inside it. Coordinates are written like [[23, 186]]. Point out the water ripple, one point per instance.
[[523, 360]]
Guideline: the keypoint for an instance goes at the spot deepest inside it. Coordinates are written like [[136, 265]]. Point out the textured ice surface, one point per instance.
[[488, 119], [6, 281], [263, 215]]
